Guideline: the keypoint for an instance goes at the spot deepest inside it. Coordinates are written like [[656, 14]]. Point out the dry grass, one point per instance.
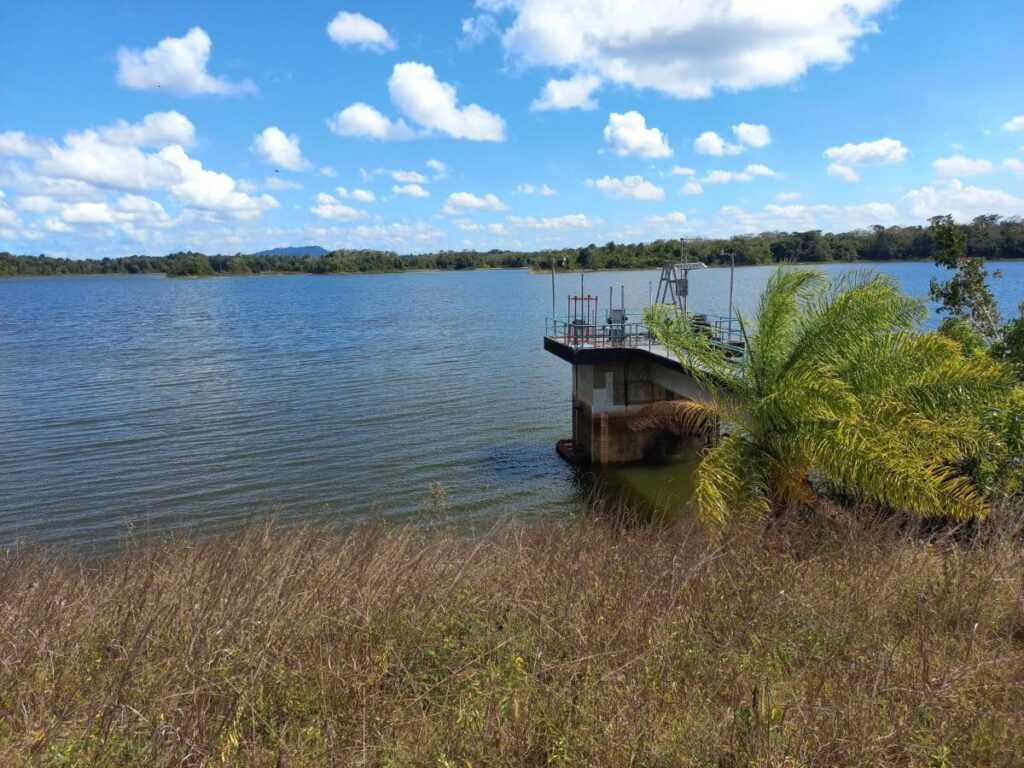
[[579, 644]]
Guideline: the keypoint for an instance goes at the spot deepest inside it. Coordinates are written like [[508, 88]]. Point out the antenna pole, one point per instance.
[[554, 311]]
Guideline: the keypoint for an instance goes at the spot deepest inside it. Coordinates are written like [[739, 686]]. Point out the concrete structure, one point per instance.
[[616, 373]]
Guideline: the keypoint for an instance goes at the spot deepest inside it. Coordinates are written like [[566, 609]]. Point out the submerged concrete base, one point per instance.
[[609, 387]]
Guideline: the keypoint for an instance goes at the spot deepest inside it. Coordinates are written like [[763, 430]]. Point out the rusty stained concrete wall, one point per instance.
[[605, 396]]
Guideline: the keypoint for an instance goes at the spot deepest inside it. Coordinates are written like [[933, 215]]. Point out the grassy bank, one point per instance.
[[841, 643]]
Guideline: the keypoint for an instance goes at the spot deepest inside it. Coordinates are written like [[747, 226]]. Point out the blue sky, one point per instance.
[[147, 128]]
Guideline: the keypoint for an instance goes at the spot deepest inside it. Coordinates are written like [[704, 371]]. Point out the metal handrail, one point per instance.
[[582, 335]]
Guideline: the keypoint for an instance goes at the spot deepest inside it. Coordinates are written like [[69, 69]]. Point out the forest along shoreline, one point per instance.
[[988, 237]]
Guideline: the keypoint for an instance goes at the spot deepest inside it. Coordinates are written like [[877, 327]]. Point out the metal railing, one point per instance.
[[582, 335]]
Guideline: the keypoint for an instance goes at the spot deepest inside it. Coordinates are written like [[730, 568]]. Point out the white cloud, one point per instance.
[[212, 191], [679, 170], [361, 119], [692, 188], [574, 93], [675, 217], [36, 203], [959, 165], [747, 174], [1014, 123], [87, 157], [868, 152], [710, 143], [964, 202], [437, 168], [458, 202], [535, 189], [468, 225], [178, 65], [753, 135], [409, 177], [355, 29], [690, 49], [477, 29], [844, 172], [417, 92], [399, 234], [362, 195], [412, 190], [157, 129], [279, 148], [568, 221], [18, 144], [327, 207], [799, 218], [328, 171], [1014, 165], [628, 134], [635, 187], [788, 197]]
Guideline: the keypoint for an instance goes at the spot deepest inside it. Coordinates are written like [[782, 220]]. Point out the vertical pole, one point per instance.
[[554, 310], [732, 273], [686, 277]]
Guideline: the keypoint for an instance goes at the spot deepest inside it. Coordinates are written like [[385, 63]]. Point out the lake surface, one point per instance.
[[152, 404]]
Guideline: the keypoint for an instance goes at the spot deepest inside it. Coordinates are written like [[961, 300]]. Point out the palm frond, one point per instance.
[[732, 482], [679, 416]]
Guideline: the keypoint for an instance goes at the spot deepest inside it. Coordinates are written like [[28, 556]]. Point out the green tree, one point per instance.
[[837, 391], [966, 295]]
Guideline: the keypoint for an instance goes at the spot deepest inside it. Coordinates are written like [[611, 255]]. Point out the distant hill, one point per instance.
[[295, 250]]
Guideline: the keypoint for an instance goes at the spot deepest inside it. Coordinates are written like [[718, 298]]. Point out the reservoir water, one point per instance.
[[151, 404]]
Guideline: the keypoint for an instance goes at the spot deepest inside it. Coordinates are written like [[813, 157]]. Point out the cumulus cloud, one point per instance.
[[674, 217], [575, 92], [156, 129], [807, 217], [1014, 165], [753, 135], [628, 134], [1014, 123], [679, 170], [437, 168], [568, 221], [878, 152], [358, 30], [412, 190], [747, 174], [362, 195], [459, 202], [361, 119], [211, 191], [178, 65], [413, 177], [689, 50], [963, 201], [844, 172], [279, 148], [691, 188], [416, 91], [867, 152], [959, 165], [710, 143], [635, 187], [535, 189], [328, 207], [19, 144], [399, 234]]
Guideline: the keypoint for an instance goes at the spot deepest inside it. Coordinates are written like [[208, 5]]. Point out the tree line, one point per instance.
[[987, 237]]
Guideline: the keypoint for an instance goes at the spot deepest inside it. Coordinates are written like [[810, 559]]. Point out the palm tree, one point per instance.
[[837, 390]]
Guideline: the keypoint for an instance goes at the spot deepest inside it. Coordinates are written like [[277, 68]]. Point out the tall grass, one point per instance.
[[845, 642]]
